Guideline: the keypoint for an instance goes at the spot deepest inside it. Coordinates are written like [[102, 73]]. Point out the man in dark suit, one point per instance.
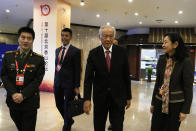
[[107, 70], [22, 73], [67, 76]]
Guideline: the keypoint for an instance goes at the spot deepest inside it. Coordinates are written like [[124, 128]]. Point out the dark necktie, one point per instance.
[[22, 57], [108, 59], [62, 54]]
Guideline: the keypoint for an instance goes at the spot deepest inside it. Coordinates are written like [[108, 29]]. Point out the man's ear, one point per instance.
[[176, 44], [99, 37]]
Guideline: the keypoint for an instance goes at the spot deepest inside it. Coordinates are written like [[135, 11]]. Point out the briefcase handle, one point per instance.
[[77, 97]]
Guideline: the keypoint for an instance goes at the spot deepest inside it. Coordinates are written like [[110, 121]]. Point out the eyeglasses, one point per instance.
[[108, 36]]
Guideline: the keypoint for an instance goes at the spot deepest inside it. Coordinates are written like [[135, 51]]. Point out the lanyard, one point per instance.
[[63, 55], [17, 68]]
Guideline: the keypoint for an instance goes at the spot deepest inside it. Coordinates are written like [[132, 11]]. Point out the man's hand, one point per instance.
[[20, 97], [2, 86], [151, 108], [87, 107], [14, 96], [17, 98], [128, 104], [182, 116], [77, 91]]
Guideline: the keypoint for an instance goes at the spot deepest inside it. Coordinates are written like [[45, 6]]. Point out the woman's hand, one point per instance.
[[182, 116]]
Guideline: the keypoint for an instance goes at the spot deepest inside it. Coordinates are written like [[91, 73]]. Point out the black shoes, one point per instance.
[[70, 124], [110, 127]]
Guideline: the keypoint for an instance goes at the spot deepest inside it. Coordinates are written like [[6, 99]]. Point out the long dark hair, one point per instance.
[[181, 50]]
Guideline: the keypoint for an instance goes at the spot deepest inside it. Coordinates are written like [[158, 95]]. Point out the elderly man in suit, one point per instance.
[[67, 76], [107, 71]]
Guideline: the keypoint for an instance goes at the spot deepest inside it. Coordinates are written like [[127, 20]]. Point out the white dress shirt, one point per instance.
[[109, 50]]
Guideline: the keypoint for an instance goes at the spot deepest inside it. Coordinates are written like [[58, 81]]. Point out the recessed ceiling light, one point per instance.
[[7, 11], [176, 22], [180, 12], [140, 22], [82, 3], [136, 14], [98, 15], [108, 23], [130, 1]]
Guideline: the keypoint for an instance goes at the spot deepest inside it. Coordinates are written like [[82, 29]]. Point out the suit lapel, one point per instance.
[[23, 62], [101, 55], [27, 58], [113, 56], [173, 72], [57, 55], [57, 52], [69, 51], [18, 58], [163, 66], [68, 54]]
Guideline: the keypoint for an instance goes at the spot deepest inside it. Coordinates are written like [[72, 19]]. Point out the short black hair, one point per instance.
[[181, 51], [67, 30], [28, 30]]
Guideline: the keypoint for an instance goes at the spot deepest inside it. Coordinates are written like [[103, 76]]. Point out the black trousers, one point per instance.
[[166, 122], [62, 97], [101, 110], [25, 120], [110, 119]]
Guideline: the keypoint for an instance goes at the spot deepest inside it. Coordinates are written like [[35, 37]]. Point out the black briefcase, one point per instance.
[[75, 107]]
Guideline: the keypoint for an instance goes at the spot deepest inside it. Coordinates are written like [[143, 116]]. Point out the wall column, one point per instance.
[[49, 18]]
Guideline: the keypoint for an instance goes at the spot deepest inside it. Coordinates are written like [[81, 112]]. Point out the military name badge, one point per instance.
[[58, 67], [20, 79]]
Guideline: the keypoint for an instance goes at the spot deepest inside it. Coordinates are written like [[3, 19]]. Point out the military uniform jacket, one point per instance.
[[181, 82], [32, 79]]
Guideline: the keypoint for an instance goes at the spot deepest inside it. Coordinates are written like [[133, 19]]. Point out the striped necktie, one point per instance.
[[108, 59], [62, 54]]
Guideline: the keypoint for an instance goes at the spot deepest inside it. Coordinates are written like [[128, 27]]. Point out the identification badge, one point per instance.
[[58, 67], [20, 79]]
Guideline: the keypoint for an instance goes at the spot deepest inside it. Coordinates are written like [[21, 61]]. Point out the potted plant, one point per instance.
[[149, 73]]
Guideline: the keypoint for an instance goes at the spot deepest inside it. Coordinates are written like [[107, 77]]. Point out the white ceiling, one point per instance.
[[120, 13]]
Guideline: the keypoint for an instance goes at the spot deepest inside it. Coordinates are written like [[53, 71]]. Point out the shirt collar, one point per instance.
[[67, 46], [110, 49], [24, 52]]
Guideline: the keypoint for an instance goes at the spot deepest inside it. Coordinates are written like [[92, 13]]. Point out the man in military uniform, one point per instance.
[[22, 73]]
